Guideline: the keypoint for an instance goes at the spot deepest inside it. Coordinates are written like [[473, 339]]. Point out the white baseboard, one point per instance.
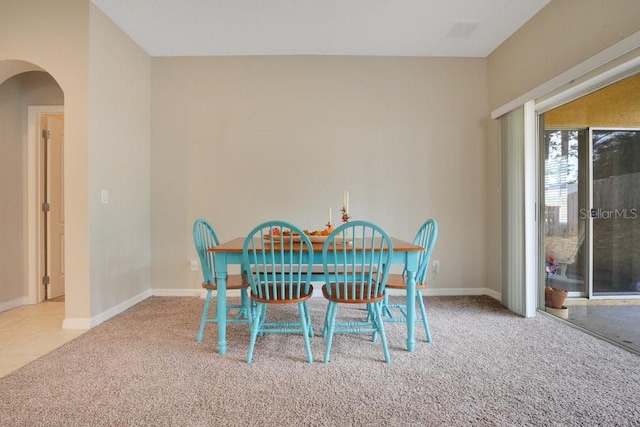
[[88, 323], [317, 292], [9, 305], [452, 292], [462, 292], [180, 292], [77, 323]]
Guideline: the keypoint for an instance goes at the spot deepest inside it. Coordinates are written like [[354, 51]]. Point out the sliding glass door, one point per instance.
[[615, 211], [591, 199], [565, 199]]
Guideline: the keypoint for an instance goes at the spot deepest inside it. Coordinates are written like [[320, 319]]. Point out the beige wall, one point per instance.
[[119, 152], [54, 37], [563, 34], [11, 189], [240, 140], [107, 137], [16, 94]]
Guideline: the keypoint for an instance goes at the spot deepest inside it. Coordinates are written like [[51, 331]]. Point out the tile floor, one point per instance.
[[31, 331], [615, 320]]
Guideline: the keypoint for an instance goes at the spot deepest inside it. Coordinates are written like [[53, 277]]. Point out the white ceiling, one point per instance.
[[320, 27]]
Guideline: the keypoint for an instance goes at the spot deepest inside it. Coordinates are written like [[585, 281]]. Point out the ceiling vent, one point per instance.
[[462, 30]]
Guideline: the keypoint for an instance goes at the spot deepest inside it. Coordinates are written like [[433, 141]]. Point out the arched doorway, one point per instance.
[[24, 86]]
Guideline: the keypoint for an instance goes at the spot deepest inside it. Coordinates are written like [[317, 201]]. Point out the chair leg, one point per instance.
[[385, 305], [205, 311], [423, 312], [247, 305], [252, 307], [255, 328], [243, 312], [371, 318], [306, 326], [308, 314], [325, 326], [332, 310], [380, 326]]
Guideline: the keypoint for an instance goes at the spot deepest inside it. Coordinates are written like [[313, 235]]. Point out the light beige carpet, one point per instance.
[[486, 367]]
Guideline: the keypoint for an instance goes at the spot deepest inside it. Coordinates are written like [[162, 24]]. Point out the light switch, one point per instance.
[[104, 196]]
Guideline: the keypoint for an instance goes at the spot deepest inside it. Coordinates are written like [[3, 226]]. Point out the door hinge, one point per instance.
[[46, 207], [46, 134], [46, 280]]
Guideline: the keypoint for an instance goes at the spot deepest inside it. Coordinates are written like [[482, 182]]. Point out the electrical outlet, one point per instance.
[[194, 265], [436, 266]]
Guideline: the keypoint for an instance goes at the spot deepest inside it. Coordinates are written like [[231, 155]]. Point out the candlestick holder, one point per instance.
[[345, 216], [347, 239]]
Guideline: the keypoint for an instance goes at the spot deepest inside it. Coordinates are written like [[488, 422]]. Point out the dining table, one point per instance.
[[230, 253]]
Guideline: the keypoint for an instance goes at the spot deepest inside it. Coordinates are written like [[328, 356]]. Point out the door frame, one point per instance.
[[35, 233]]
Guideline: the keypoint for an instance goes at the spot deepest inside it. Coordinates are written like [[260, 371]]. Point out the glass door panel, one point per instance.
[[565, 178], [615, 211]]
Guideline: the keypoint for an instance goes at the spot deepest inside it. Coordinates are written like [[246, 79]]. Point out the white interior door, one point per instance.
[[55, 198]]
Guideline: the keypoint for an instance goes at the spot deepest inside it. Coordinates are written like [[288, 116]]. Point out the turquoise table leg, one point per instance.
[[221, 310], [221, 301], [411, 301]]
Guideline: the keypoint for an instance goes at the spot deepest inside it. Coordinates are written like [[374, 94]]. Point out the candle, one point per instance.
[[347, 205], [329, 216], [345, 202]]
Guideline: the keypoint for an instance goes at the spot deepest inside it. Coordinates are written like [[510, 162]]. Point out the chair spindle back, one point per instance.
[[280, 259], [426, 237], [356, 257], [204, 238]]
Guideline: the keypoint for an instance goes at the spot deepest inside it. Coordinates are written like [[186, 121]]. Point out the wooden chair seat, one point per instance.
[[234, 281], [360, 296], [316, 269], [399, 281], [288, 295], [294, 269]]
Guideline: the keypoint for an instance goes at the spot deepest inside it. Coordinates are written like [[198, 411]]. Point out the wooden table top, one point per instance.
[[235, 246]]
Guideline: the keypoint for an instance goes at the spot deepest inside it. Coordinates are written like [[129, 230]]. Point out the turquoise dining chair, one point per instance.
[[279, 259], [356, 258], [426, 237], [205, 238]]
